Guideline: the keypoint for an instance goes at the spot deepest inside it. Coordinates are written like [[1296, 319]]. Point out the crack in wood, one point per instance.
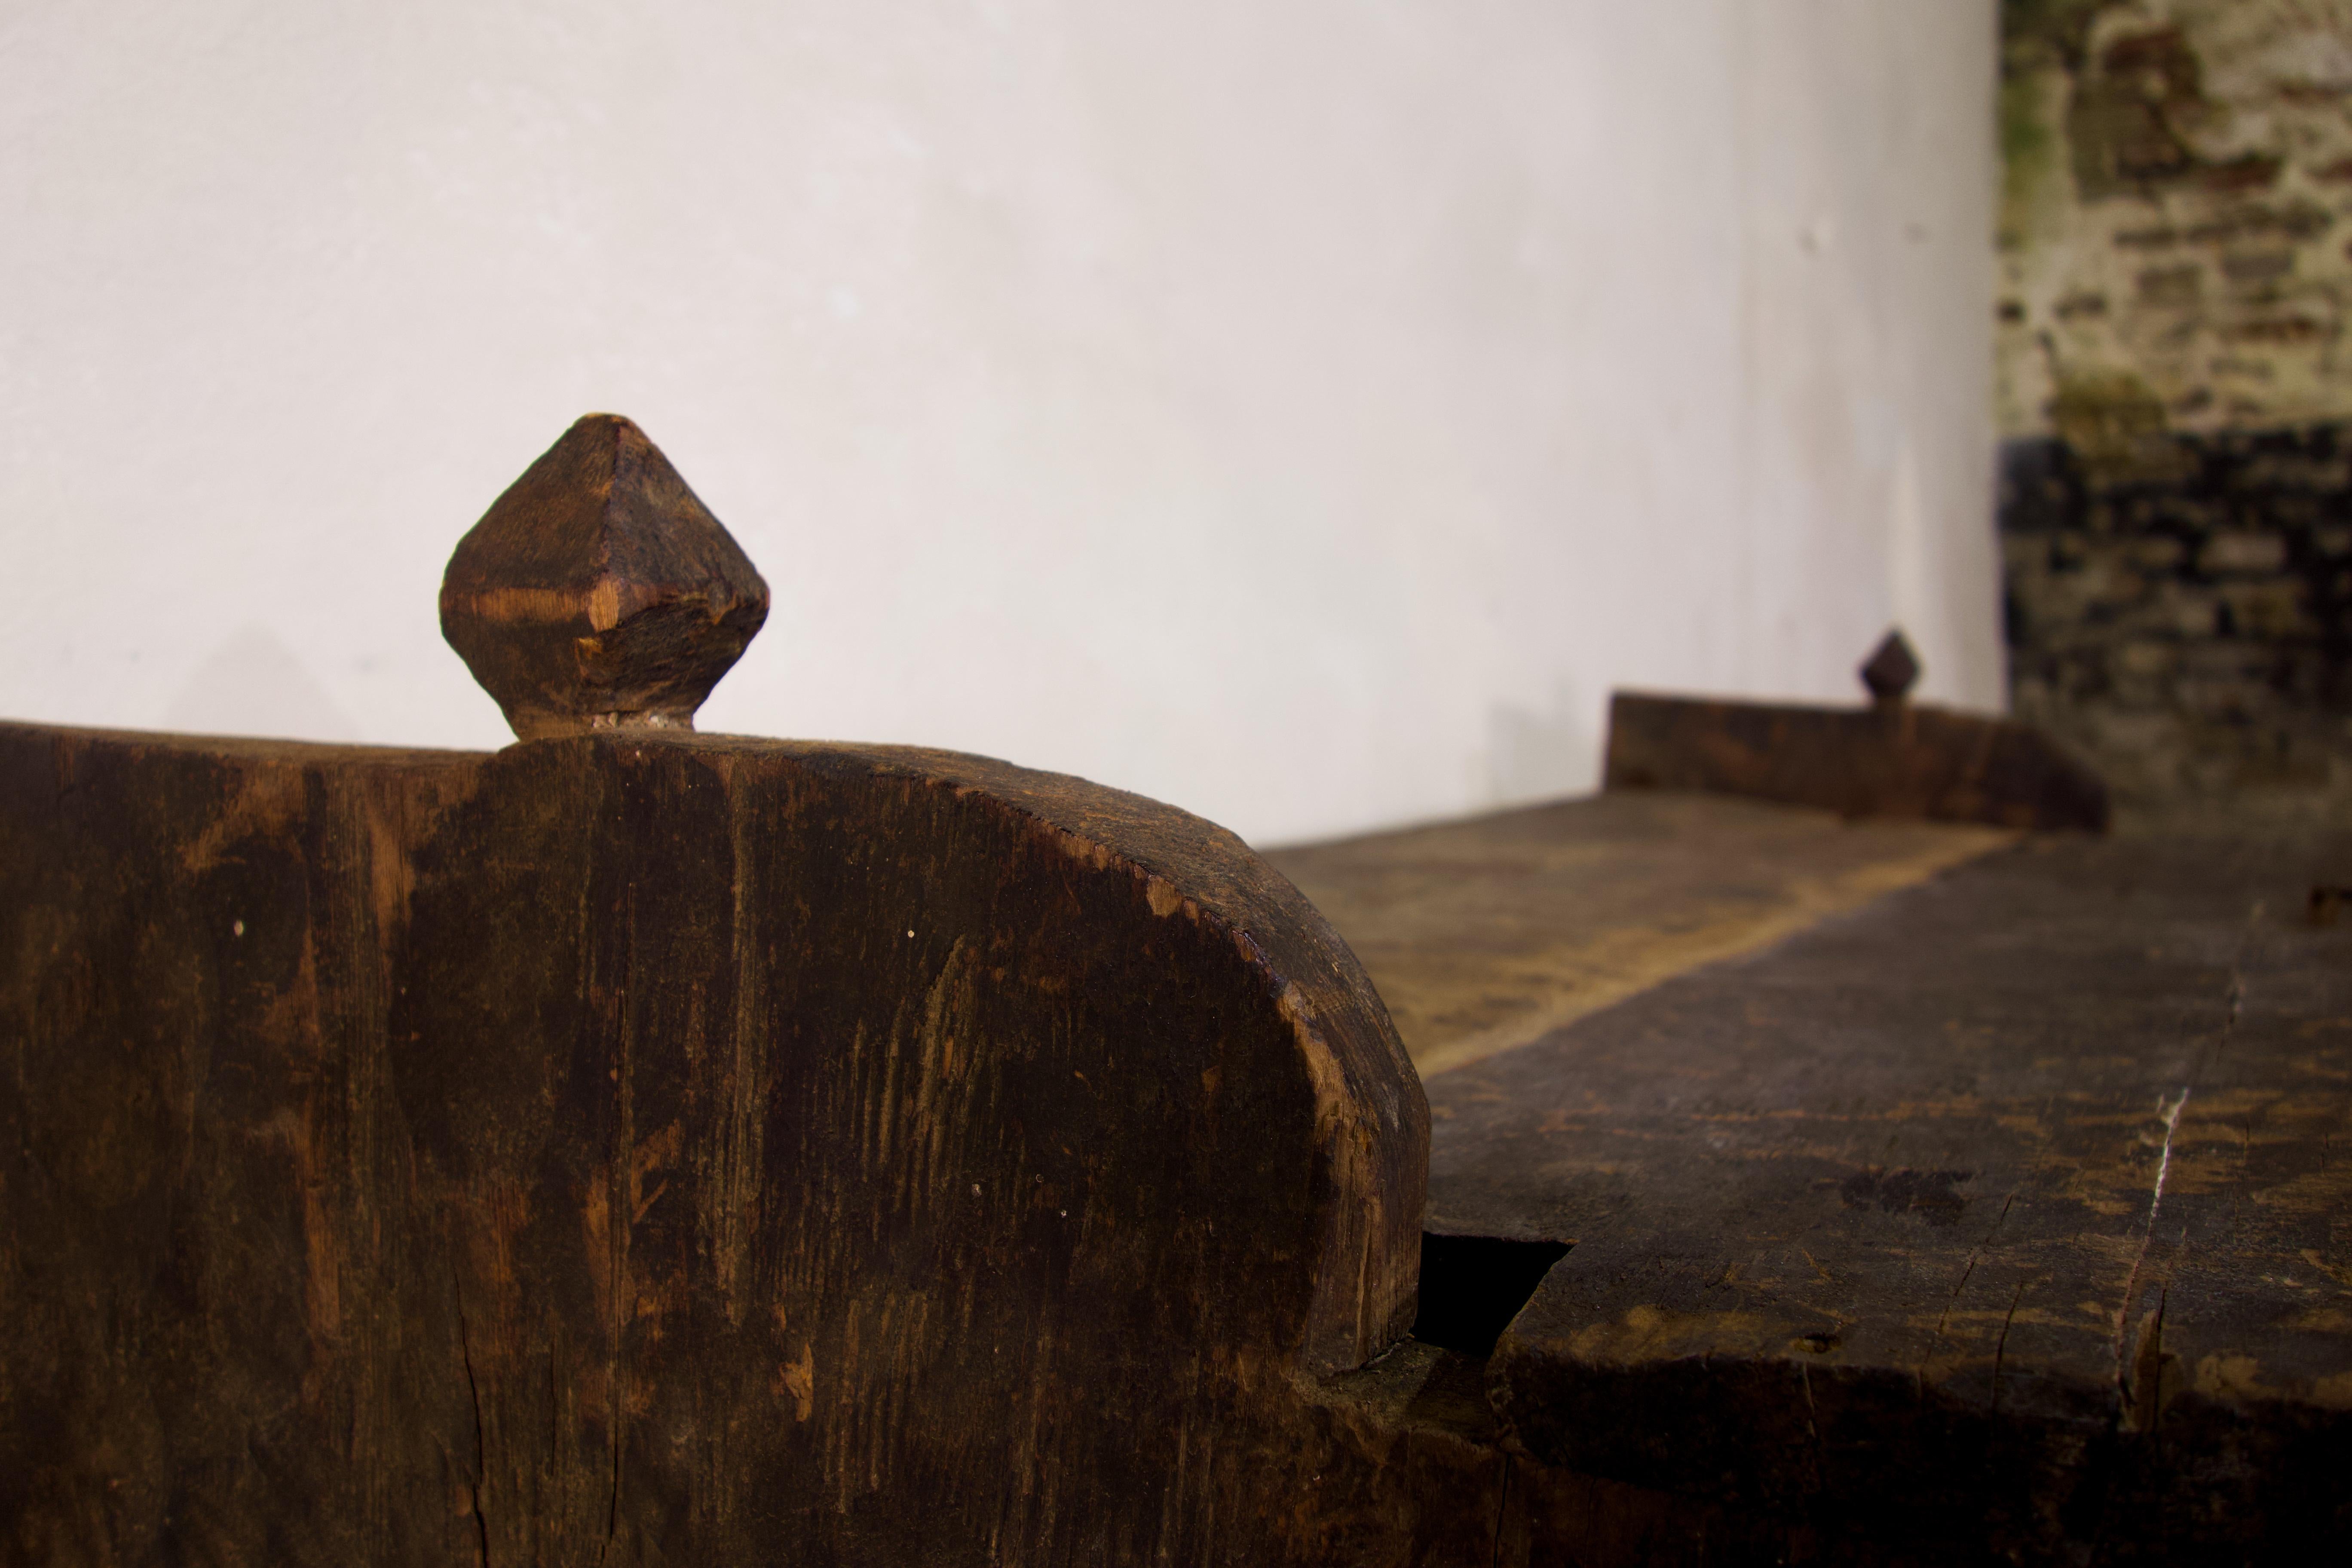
[[2001, 1345], [474, 1390], [2170, 1116]]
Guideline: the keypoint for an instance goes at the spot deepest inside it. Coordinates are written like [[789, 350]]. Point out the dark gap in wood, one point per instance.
[[1473, 1286]]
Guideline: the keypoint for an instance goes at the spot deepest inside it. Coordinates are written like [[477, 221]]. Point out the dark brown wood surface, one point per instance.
[[2004, 1217], [1892, 759], [568, 1154], [598, 592], [648, 1146]]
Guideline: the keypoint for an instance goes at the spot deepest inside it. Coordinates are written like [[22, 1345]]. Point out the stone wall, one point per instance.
[[2174, 389], [2187, 617]]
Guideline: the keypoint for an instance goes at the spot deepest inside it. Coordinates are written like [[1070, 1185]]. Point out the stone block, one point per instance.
[[2187, 621], [2243, 549], [2271, 609]]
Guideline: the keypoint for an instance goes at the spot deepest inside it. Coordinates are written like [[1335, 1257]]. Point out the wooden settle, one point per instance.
[[639, 1145]]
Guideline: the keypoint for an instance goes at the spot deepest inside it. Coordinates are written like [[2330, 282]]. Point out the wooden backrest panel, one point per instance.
[[1898, 760], [649, 1145]]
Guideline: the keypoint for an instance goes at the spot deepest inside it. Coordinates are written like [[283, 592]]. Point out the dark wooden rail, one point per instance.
[[1895, 758]]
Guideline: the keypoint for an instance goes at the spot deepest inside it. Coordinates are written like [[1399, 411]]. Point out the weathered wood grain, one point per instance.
[[225, 1302], [569, 1154], [2003, 1218], [651, 1146]]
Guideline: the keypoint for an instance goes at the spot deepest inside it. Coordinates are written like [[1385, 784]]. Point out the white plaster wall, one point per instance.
[[1305, 412]]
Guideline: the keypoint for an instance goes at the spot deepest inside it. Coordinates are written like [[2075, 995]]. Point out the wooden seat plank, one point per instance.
[[2009, 1208], [1485, 934]]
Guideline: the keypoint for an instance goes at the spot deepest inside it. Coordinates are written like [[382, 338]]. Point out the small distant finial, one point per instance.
[[598, 593], [1890, 670]]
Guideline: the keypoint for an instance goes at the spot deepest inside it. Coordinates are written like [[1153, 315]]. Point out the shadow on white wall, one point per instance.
[[253, 684], [1542, 754]]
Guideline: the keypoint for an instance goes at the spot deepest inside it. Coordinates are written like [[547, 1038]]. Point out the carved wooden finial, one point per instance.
[[598, 593], [1890, 670]]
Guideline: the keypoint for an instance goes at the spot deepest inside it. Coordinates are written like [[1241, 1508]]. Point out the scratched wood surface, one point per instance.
[[658, 1147], [2004, 1216]]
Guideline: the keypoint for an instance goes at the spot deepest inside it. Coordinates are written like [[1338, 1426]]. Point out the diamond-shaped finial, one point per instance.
[[598, 593], [1890, 671]]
